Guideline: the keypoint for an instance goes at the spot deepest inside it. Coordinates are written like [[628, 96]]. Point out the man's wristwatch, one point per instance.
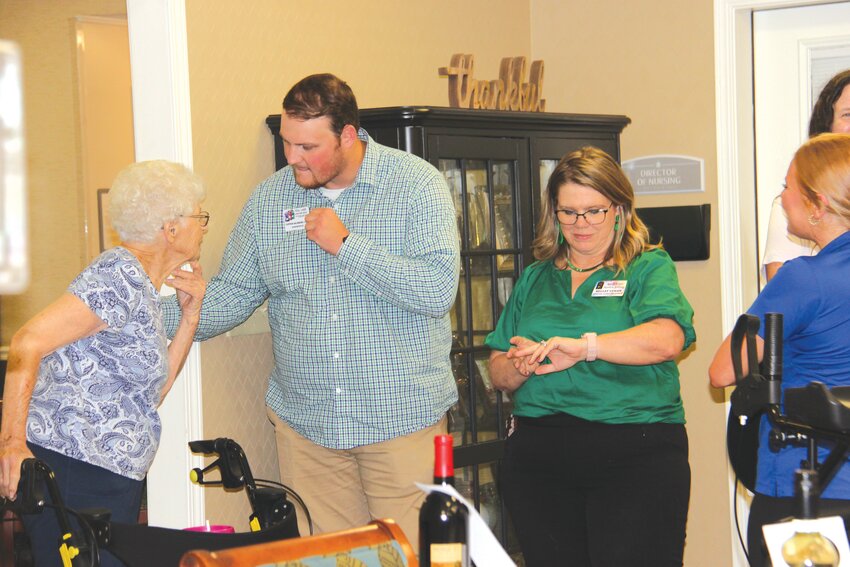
[[591, 346]]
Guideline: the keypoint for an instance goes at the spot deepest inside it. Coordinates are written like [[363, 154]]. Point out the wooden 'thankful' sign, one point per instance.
[[508, 92]]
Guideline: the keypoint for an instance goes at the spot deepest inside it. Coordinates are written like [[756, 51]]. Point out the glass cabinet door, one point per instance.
[[483, 177]]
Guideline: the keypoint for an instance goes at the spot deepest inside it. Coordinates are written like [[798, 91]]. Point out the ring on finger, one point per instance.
[[543, 343]]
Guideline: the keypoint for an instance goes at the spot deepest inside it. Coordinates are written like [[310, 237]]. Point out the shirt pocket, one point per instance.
[[288, 265]]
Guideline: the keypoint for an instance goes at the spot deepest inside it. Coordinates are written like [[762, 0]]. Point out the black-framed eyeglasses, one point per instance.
[[203, 218], [591, 216]]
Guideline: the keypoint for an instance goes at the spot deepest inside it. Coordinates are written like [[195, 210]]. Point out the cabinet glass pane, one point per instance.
[[489, 502], [547, 166], [450, 169], [478, 205], [458, 316], [459, 420], [486, 400], [481, 283], [503, 203]]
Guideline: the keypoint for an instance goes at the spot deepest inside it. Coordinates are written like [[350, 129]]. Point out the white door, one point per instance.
[[796, 51]]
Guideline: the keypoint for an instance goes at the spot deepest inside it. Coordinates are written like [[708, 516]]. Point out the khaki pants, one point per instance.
[[350, 488]]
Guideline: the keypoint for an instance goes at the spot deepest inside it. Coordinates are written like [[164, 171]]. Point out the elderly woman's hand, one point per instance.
[[12, 454], [190, 286]]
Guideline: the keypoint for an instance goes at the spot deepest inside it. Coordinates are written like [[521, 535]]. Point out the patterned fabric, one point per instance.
[[95, 399], [361, 339], [386, 554]]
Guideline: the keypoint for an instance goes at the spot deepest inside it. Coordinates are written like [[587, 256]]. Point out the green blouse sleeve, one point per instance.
[[654, 292]]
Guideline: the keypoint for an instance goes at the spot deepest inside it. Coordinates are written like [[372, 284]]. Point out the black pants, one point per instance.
[[770, 510], [589, 494]]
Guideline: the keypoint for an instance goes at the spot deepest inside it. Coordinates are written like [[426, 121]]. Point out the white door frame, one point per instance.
[[735, 163], [163, 130]]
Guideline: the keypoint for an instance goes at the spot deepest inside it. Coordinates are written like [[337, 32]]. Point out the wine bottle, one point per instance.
[[443, 519], [808, 547]]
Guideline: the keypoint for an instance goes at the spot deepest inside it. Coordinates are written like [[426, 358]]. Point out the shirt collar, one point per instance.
[[368, 171]]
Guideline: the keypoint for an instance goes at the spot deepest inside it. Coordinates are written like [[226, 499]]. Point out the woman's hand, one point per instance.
[[522, 362], [190, 287], [12, 454], [563, 353]]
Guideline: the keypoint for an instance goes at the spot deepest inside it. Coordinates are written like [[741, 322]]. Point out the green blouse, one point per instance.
[[540, 307]]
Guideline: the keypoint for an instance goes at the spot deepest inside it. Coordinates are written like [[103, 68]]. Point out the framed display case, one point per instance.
[[496, 164]]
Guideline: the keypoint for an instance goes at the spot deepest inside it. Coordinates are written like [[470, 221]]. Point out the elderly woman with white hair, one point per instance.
[[86, 375]]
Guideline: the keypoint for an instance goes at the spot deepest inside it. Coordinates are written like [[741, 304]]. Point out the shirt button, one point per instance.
[[338, 391], [336, 355], [331, 279], [334, 317]]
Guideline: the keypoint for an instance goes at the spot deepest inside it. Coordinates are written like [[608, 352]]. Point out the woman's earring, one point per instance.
[[616, 223], [813, 221], [560, 234]]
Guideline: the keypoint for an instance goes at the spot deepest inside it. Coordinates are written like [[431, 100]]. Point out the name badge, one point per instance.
[[609, 288], [293, 219]]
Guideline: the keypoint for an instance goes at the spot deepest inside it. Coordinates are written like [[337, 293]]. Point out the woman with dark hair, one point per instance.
[[810, 294], [830, 114], [595, 471]]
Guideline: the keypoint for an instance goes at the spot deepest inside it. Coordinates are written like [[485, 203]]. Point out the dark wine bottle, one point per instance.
[[443, 519]]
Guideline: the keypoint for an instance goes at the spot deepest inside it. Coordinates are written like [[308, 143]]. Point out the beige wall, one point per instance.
[[243, 57], [653, 61], [45, 32]]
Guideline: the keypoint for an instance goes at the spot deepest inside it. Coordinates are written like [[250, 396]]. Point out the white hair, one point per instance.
[[147, 194]]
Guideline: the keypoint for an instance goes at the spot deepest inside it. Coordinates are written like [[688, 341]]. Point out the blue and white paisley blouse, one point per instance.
[[96, 399]]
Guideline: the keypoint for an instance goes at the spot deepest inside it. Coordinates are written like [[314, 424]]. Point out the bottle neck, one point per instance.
[[444, 472]]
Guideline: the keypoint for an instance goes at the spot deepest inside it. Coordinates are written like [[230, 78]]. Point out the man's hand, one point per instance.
[[323, 227]]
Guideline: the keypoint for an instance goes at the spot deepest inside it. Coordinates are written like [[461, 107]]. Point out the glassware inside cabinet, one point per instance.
[[478, 205], [503, 203]]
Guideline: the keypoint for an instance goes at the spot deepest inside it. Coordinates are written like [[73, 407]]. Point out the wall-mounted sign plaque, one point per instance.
[[666, 174]]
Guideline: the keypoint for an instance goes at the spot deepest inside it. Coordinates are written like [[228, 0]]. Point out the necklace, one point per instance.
[[577, 269]]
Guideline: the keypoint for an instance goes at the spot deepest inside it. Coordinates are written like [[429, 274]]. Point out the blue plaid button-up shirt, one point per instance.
[[361, 340]]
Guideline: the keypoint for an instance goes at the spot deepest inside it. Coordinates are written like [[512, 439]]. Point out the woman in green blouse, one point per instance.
[[596, 468]]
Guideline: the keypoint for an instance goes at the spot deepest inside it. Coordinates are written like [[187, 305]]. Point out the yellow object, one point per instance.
[[67, 552], [255, 524], [193, 476]]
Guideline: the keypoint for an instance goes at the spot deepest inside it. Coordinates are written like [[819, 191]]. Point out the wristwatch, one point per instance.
[[591, 346]]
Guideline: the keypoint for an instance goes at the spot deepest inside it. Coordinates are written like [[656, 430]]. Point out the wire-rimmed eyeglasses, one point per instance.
[[203, 218], [591, 216]]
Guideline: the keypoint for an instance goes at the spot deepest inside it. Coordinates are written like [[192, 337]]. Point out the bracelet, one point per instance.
[[591, 346]]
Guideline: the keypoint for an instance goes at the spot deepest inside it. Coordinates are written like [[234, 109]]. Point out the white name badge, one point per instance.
[[609, 288], [293, 219]]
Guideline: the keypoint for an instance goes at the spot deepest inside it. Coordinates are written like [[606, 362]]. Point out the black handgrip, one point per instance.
[[745, 328], [772, 365]]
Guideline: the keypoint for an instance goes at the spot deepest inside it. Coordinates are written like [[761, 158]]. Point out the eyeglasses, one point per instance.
[[591, 216], [203, 218]]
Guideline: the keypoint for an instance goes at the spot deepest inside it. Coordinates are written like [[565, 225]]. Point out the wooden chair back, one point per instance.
[[381, 543]]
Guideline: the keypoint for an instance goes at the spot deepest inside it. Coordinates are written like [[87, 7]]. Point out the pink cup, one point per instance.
[[215, 528]]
